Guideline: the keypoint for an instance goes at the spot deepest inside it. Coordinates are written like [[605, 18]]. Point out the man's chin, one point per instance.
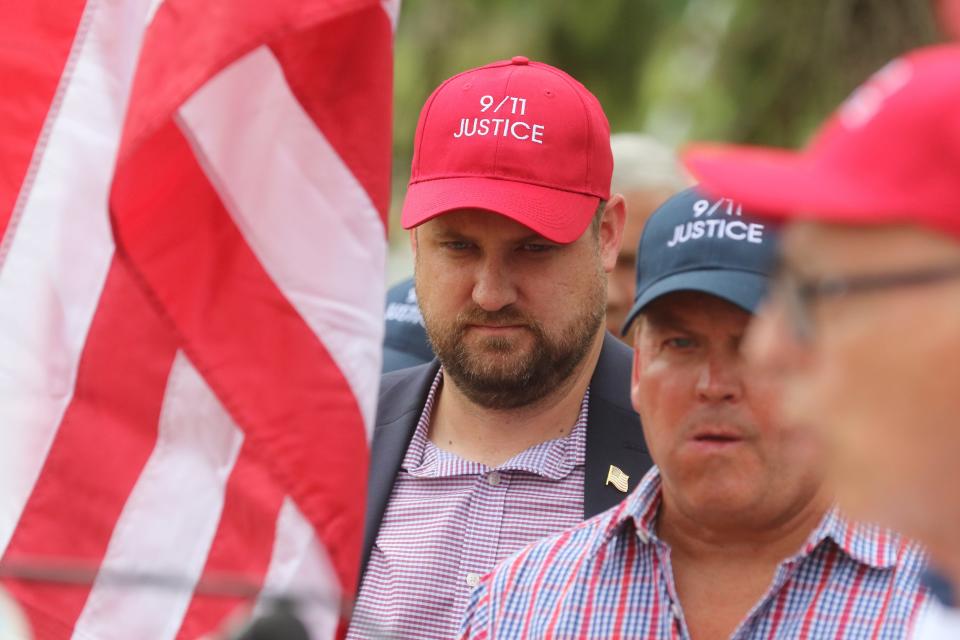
[[488, 342], [503, 353], [498, 369]]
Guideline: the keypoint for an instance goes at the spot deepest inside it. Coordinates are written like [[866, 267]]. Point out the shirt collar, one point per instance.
[[868, 544], [554, 459]]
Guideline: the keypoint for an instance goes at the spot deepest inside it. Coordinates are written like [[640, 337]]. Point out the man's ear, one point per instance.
[[611, 231]]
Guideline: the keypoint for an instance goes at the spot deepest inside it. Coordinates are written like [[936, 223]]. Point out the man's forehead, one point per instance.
[[685, 306], [481, 221]]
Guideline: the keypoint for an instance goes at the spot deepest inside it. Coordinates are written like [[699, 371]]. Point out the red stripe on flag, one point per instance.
[[35, 43], [106, 437], [189, 42], [264, 363], [351, 98], [243, 544]]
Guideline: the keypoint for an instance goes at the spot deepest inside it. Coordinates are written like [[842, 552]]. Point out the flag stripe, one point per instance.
[[300, 563], [220, 298], [348, 102], [300, 248], [54, 270], [179, 57], [197, 399], [105, 440], [34, 48], [243, 543], [171, 516]]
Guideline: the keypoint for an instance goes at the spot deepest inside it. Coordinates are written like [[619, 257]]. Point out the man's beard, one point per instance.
[[493, 374]]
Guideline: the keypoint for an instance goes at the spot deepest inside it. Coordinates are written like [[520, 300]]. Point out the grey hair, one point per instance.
[[642, 163]]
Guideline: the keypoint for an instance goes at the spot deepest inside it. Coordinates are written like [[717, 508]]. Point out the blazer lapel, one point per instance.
[[402, 394], [614, 435]]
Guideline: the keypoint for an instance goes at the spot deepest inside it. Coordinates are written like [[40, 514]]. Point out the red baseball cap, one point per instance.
[[515, 137], [890, 154]]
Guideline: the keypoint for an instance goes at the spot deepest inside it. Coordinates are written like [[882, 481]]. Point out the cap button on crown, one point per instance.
[[520, 60]]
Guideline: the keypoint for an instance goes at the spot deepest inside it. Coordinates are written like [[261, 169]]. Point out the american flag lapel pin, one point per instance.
[[618, 478]]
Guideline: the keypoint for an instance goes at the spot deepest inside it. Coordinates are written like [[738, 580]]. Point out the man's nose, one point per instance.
[[721, 379], [494, 287]]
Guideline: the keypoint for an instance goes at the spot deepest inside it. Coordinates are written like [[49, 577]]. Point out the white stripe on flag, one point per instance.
[[299, 563], [171, 517], [52, 277], [314, 219], [152, 11], [392, 9]]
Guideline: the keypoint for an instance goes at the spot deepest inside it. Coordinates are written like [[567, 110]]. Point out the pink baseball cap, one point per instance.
[[890, 154], [515, 137]]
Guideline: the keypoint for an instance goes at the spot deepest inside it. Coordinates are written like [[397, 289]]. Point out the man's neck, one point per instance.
[[493, 436], [738, 559], [741, 538]]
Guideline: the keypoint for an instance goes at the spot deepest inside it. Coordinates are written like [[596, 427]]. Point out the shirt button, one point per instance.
[[676, 611], [473, 579], [494, 478]]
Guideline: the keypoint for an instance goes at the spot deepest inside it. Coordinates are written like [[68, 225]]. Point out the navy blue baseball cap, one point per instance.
[[405, 341], [695, 242]]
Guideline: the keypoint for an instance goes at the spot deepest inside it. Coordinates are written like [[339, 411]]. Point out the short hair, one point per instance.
[[597, 218], [643, 163]]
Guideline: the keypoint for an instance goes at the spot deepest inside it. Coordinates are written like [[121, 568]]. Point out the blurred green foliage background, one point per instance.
[[756, 71]]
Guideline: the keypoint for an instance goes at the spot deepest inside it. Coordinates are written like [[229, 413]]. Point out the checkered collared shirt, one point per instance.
[[449, 521], [610, 577]]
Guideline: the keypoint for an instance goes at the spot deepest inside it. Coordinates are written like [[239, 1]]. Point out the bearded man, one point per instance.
[[523, 425]]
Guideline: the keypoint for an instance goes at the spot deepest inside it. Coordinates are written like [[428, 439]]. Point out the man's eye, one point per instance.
[[537, 247], [457, 245], [680, 342]]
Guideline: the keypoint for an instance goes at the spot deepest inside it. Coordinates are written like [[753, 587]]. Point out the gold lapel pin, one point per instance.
[[618, 478]]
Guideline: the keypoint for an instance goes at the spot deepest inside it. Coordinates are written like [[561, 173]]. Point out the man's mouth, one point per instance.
[[495, 328], [713, 438], [716, 437]]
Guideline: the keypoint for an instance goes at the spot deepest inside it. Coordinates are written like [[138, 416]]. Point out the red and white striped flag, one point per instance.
[[192, 244]]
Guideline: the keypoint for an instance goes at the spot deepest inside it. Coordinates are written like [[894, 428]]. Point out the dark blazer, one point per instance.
[[613, 434]]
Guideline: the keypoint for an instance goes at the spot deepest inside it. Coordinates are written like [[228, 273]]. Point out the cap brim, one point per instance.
[[746, 289], [784, 185], [560, 216]]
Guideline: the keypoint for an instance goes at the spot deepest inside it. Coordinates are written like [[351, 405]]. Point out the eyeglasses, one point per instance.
[[798, 295]]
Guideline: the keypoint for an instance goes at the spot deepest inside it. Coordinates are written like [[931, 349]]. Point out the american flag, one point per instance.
[[192, 244]]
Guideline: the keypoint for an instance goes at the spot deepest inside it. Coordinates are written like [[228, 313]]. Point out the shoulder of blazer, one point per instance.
[[401, 398], [614, 434]]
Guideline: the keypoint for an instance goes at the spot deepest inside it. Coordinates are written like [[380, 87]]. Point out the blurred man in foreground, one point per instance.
[[732, 534], [646, 172], [865, 325], [523, 425]]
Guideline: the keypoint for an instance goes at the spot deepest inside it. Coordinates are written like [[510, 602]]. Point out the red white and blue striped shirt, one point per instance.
[[609, 577], [450, 521]]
